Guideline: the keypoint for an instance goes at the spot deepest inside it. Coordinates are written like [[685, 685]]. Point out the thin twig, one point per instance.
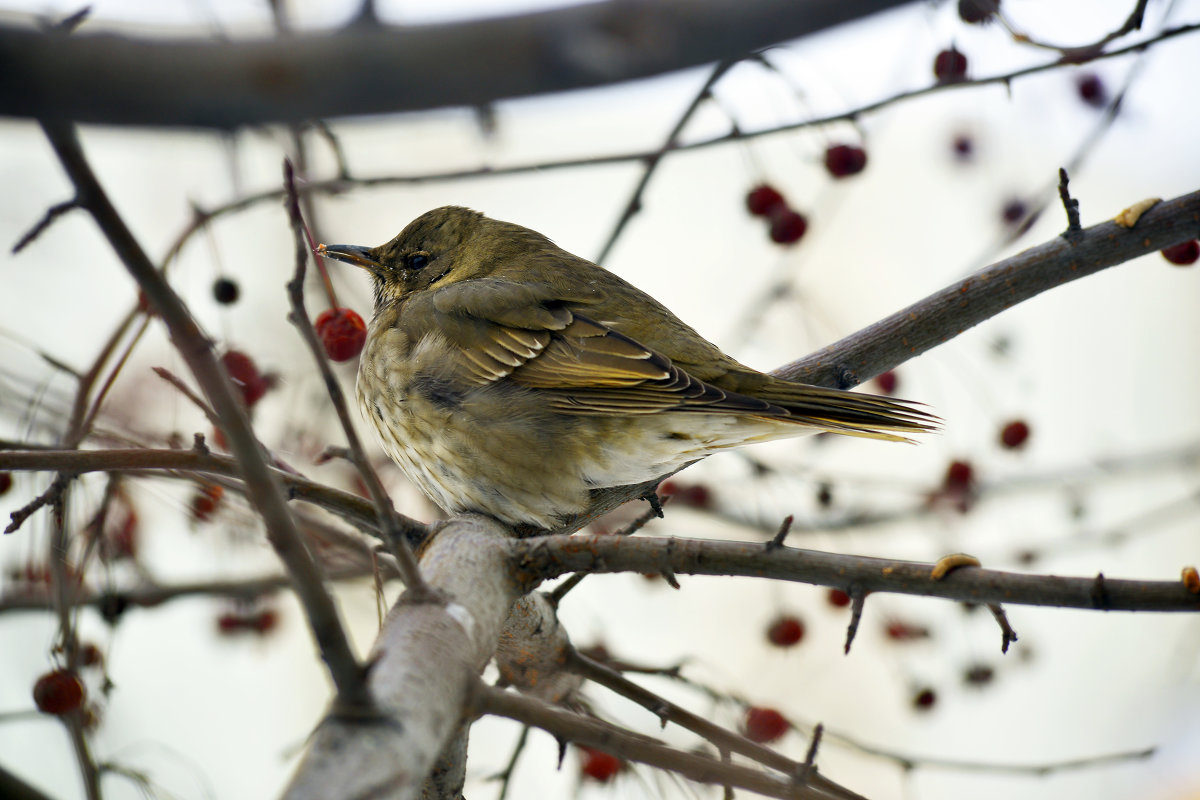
[[1070, 205], [263, 487], [634, 205], [1007, 634], [54, 212], [398, 531]]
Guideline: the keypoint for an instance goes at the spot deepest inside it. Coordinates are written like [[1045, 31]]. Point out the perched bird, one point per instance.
[[506, 376]]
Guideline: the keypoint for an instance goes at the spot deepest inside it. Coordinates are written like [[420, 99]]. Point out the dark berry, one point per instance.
[[787, 226], [90, 655], [1014, 434], [764, 725], [843, 160], [225, 291], [598, 765], [342, 332], [950, 66], [763, 200], [1014, 211], [58, 692], [785, 631], [1091, 90], [974, 12], [1182, 254], [963, 146], [824, 495], [924, 699], [887, 381]]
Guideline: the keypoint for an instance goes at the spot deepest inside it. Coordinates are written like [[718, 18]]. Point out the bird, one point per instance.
[[509, 377]]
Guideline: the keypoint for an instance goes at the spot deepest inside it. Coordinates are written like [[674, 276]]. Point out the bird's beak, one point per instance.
[[352, 254]]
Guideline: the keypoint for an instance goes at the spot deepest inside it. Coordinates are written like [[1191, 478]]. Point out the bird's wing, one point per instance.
[[534, 337], [530, 335]]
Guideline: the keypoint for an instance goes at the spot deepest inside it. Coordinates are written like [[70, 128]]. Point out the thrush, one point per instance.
[[507, 376]]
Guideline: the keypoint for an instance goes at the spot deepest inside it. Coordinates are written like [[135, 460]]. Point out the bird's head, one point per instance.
[[440, 247]]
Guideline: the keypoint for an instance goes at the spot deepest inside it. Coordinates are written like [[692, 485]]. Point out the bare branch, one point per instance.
[[398, 531], [113, 79], [551, 556], [263, 486], [979, 297]]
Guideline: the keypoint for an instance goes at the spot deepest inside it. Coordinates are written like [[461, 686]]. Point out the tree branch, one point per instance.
[[550, 556], [374, 70], [263, 487]]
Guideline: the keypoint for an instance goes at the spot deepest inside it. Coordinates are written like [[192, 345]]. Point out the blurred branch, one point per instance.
[[572, 727], [160, 463], [367, 69], [264, 488], [551, 556]]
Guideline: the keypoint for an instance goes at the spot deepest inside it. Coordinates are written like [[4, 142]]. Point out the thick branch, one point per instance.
[[551, 556], [421, 667], [979, 297], [374, 70]]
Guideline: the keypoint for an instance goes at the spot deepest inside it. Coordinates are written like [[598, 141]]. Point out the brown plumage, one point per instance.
[[507, 376]]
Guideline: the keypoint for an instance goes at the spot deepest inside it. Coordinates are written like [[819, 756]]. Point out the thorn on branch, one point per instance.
[[810, 758], [656, 505], [1008, 635], [54, 212], [858, 600], [777, 540], [1070, 205], [1100, 597], [69, 23]]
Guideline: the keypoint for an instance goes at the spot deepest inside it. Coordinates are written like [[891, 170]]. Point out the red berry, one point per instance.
[[959, 475], [1183, 254], [924, 699], [206, 500], [5, 482], [763, 200], [975, 12], [764, 725], [1014, 434], [785, 631], [950, 66], [1091, 90], [342, 332], [599, 765], [787, 226], [58, 692], [837, 598], [899, 631], [887, 381], [90, 655], [695, 495], [843, 160], [245, 376]]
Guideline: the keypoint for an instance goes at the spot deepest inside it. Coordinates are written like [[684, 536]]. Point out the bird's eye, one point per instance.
[[416, 261]]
